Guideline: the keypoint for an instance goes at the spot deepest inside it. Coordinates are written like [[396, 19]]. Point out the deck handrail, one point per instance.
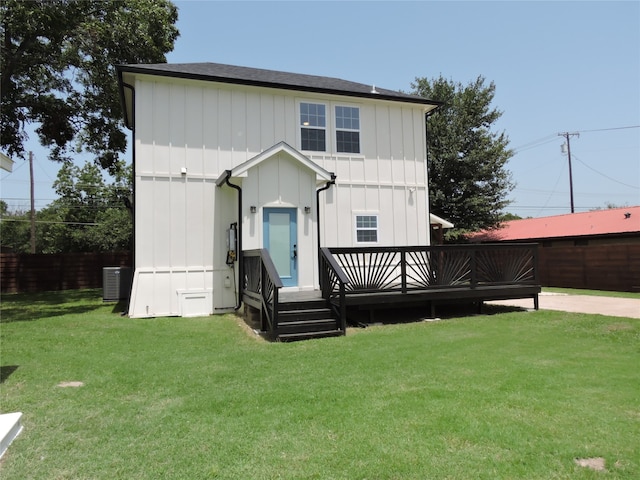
[[261, 286], [421, 268], [332, 275]]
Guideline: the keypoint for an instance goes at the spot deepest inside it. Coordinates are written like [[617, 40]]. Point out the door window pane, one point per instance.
[[279, 243]]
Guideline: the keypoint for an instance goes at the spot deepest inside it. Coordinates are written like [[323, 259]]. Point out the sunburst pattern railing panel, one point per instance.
[[453, 267], [506, 265], [370, 270], [261, 284], [420, 269]]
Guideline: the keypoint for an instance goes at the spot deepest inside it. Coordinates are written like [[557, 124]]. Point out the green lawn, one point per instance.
[[597, 293], [514, 395]]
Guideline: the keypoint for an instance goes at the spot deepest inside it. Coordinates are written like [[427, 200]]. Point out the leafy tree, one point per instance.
[[89, 216], [58, 62], [466, 159], [611, 206], [507, 217], [93, 213], [14, 229]]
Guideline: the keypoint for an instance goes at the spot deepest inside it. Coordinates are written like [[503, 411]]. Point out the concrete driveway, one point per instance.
[[615, 307]]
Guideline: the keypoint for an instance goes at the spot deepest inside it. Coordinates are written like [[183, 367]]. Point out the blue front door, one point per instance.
[[280, 239]]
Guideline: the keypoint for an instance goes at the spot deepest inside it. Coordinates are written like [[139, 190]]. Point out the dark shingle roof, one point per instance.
[[217, 72]]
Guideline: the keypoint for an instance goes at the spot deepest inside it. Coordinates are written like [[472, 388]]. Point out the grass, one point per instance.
[[509, 395], [597, 293]]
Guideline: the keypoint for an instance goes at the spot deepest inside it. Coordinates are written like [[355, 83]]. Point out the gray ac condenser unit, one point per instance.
[[116, 283]]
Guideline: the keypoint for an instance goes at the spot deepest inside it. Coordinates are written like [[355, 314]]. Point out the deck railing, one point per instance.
[[346, 272], [407, 269], [333, 283], [261, 285]]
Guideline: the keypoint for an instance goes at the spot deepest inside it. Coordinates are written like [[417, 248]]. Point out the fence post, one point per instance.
[[473, 267]]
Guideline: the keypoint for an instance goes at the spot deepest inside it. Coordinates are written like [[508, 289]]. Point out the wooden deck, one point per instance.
[[365, 279]]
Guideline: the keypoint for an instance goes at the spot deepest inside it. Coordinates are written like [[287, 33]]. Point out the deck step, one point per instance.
[[291, 337], [302, 304], [306, 326], [306, 318], [304, 314]]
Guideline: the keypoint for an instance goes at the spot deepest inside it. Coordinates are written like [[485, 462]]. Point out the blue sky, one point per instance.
[[558, 67]]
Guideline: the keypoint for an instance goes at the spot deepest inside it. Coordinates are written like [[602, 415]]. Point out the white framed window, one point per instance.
[[347, 129], [328, 127], [366, 228], [313, 127]]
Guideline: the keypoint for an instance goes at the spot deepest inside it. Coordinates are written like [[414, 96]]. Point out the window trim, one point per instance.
[[326, 129], [349, 130], [357, 229], [331, 140]]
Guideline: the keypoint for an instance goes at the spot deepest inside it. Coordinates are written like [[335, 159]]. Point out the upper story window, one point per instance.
[[366, 228], [313, 126], [329, 127], [347, 129]]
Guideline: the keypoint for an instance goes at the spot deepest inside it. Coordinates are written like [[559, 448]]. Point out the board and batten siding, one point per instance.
[[189, 132]]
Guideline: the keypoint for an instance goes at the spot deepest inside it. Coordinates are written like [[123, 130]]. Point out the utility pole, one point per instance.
[[568, 135], [33, 206]]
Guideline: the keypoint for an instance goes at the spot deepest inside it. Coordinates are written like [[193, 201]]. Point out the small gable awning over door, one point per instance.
[[241, 170]]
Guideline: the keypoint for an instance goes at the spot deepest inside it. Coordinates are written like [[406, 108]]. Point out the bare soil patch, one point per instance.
[[70, 384], [596, 463]]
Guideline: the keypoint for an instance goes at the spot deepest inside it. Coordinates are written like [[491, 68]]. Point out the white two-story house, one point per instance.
[[230, 158]]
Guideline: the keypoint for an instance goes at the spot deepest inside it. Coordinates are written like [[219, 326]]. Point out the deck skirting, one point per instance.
[[442, 296]]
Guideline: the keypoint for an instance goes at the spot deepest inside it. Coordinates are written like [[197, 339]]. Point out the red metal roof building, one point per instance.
[[597, 224], [595, 250]]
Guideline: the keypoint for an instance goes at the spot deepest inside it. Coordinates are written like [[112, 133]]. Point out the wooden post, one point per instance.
[[33, 207]]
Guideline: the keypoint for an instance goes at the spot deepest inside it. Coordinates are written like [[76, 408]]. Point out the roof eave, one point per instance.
[[282, 86], [586, 236], [122, 85]]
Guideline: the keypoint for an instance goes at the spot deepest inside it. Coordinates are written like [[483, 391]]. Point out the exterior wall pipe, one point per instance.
[[239, 257], [132, 201], [321, 189], [427, 167]]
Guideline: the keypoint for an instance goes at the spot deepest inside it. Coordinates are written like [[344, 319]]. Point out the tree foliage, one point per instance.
[[58, 63], [89, 216], [466, 159]]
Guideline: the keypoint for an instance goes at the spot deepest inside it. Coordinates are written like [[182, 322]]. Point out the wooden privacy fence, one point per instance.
[[21, 273], [614, 267]]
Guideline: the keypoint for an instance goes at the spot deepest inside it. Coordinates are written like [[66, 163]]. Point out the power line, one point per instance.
[[4, 219], [549, 138], [548, 207], [14, 170], [552, 192], [564, 192], [606, 176], [608, 129], [119, 205], [535, 143], [25, 198]]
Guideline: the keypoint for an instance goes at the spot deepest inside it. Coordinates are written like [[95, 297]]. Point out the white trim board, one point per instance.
[[10, 428]]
